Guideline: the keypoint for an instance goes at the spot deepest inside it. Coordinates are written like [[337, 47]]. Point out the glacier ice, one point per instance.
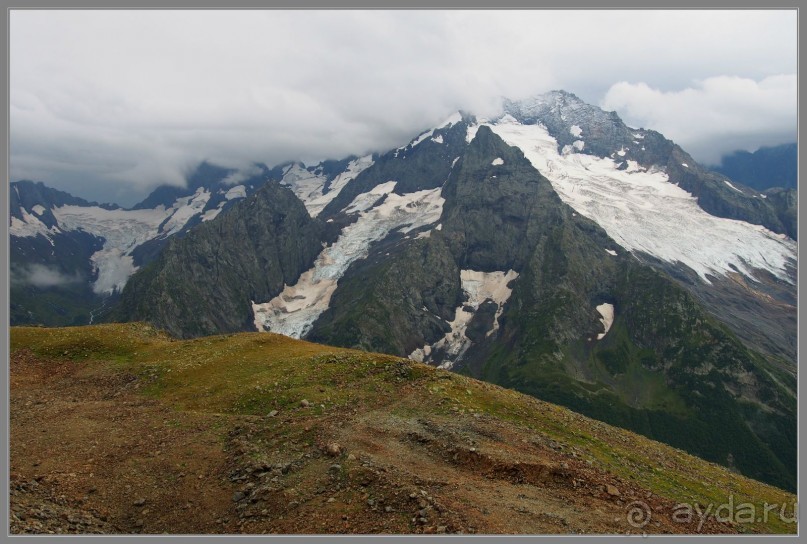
[[124, 230], [643, 212], [294, 311], [478, 287]]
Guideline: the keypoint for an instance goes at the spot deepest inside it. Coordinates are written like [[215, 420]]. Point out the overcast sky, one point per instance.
[[110, 104]]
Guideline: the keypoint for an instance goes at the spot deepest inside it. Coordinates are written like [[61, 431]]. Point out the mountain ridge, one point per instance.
[[766, 168]]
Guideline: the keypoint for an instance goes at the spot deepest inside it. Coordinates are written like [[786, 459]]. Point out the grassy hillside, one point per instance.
[[119, 428]]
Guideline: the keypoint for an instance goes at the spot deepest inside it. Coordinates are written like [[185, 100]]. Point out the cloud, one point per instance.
[[42, 276], [239, 176], [715, 116], [108, 104]]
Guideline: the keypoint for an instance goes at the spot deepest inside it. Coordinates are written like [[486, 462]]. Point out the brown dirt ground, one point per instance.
[[90, 454]]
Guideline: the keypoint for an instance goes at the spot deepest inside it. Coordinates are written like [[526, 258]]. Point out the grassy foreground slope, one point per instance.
[[121, 429]]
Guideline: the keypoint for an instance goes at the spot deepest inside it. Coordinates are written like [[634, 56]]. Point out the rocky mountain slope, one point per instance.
[[71, 258], [121, 429], [566, 278], [271, 241], [765, 168], [51, 269]]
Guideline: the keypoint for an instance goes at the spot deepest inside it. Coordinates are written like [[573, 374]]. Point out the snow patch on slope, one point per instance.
[[310, 188], [642, 211], [422, 137], [294, 311], [365, 201], [184, 209], [30, 226], [470, 132], [209, 215], [727, 182], [239, 191], [606, 310], [482, 286], [478, 288]]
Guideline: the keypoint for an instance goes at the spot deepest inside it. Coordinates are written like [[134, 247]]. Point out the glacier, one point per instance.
[[294, 311], [123, 230], [309, 187], [643, 212]]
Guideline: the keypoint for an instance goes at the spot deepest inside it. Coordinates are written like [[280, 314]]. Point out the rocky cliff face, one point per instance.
[[786, 204], [206, 281]]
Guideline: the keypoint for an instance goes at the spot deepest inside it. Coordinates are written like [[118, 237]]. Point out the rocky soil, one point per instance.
[[90, 453]]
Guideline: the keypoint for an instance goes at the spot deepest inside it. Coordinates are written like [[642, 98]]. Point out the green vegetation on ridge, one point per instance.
[[251, 373]]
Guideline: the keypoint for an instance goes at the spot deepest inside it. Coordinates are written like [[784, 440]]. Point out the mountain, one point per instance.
[[553, 250], [271, 241], [765, 168], [70, 258], [574, 123], [660, 224], [260, 433], [51, 269]]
